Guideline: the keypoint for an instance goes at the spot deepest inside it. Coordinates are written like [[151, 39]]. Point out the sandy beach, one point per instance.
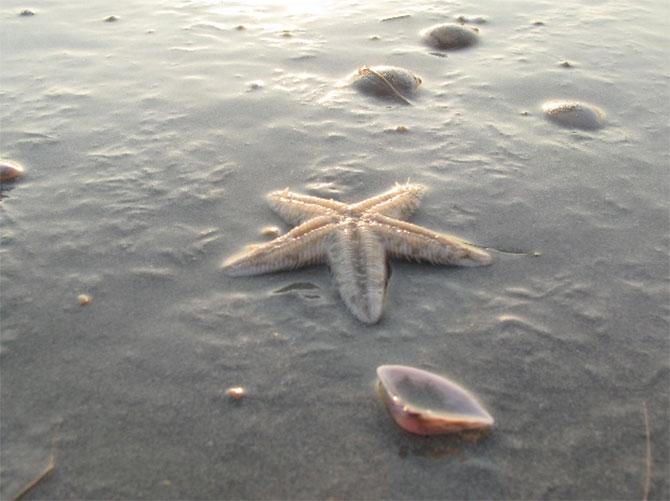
[[151, 133]]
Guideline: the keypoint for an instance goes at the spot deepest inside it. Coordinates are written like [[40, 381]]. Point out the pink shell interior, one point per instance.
[[424, 403]]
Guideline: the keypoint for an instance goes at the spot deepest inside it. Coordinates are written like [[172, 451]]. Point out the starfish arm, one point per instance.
[[295, 208], [358, 264], [302, 246], [410, 241], [399, 202]]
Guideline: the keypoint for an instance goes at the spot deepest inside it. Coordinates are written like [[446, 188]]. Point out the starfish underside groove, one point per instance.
[[355, 240]]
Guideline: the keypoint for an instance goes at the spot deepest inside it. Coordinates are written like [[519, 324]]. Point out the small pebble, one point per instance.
[[374, 37], [27, 12], [286, 34], [10, 171], [111, 19], [524, 113], [401, 129], [240, 27], [538, 23], [255, 85], [565, 64], [236, 393], [472, 20], [84, 299]]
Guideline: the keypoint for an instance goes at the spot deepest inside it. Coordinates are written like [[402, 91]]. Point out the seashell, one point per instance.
[[10, 170], [574, 114], [427, 404], [84, 299], [270, 231], [236, 392], [385, 81], [449, 36]]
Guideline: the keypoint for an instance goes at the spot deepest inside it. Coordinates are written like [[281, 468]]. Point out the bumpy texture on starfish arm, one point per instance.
[[410, 241], [302, 246], [355, 240]]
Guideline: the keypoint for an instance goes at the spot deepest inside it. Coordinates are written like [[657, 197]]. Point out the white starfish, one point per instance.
[[356, 241]]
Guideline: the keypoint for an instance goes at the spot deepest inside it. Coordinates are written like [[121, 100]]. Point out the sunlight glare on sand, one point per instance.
[[292, 7]]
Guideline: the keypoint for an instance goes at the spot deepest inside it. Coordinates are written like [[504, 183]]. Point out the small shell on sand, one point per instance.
[[255, 85], [385, 81], [449, 36], [10, 170], [84, 299], [427, 404], [471, 20], [270, 231], [236, 392], [574, 114]]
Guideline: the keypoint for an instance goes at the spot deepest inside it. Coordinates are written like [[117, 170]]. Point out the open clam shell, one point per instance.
[[427, 404]]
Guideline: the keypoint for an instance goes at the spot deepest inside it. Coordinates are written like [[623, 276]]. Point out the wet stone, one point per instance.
[[574, 114], [450, 36]]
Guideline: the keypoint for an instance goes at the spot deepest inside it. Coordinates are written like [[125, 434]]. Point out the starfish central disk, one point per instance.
[[355, 240]]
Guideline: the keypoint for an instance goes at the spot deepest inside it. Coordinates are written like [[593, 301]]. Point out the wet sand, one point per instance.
[[149, 145]]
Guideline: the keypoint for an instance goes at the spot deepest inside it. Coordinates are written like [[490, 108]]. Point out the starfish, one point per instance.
[[355, 240]]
